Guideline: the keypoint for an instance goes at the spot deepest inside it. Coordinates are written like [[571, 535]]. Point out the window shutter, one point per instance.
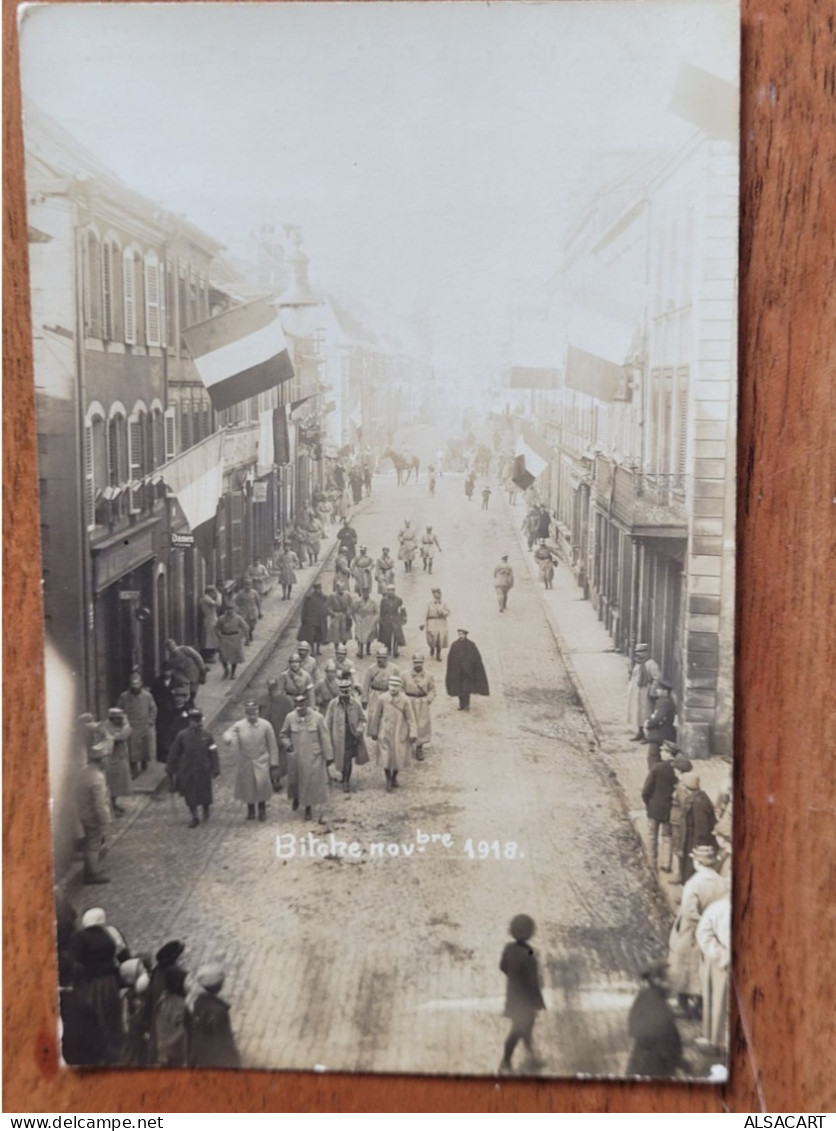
[[682, 431], [135, 462], [129, 293], [107, 291], [170, 435], [89, 478], [152, 301], [92, 286]]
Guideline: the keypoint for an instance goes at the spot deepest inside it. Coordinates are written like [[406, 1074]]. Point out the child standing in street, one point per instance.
[[523, 998]]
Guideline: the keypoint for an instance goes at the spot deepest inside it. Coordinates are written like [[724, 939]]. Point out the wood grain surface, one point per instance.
[[784, 1025]]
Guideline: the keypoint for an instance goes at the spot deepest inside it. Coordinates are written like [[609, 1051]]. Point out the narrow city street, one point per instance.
[[389, 957]]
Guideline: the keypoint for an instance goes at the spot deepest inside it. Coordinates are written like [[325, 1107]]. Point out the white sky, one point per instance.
[[432, 152]]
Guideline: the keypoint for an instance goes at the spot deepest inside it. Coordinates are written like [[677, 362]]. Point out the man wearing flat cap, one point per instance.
[[681, 765], [346, 723], [657, 795], [659, 725], [466, 674], [192, 764], [435, 624], [254, 743]]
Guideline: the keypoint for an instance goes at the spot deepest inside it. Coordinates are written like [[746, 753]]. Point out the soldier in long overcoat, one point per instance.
[[435, 624], [192, 764], [253, 741], [288, 563], [327, 688], [233, 632], [248, 606], [392, 726], [305, 737], [546, 560], [390, 621], [365, 613], [339, 615], [141, 711], [275, 708], [641, 689], [714, 941], [384, 571], [419, 687], [294, 680], [347, 540], [94, 812], [210, 605], [346, 723], [362, 569], [466, 674], [309, 663], [314, 626], [117, 734], [408, 542]]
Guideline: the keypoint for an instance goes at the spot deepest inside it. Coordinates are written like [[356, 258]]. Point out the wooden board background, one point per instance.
[[784, 1028]]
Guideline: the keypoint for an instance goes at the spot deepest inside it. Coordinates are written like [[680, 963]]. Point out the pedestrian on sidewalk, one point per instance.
[[503, 582], [714, 941], [117, 734], [419, 688], [326, 688], [259, 575], [94, 812], [192, 764], [314, 626], [546, 560], [486, 497], [308, 744], [211, 1043], [362, 570], [346, 722], [365, 613], [392, 726], [531, 525], [233, 632], [253, 742], [544, 523], [429, 545], [698, 821], [704, 887], [657, 1046], [168, 711], [275, 708], [209, 606], [288, 563], [435, 624], [469, 484], [659, 726], [391, 619], [466, 674], [523, 994], [681, 766], [188, 666], [641, 690], [294, 680], [141, 712], [657, 795], [248, 607], [384, 573]]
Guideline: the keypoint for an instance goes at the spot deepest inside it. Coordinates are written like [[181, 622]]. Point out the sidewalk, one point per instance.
[[599, 674]]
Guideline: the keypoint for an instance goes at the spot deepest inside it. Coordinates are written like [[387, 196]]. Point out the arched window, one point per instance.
[[95, 463], [137, 456], [111, 259], [92, 285]]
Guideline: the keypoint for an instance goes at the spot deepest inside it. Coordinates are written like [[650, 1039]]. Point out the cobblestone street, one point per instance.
[[388, 960]]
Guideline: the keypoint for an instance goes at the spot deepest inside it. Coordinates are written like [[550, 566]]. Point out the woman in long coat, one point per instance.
[[233, 633], [390, 621], [305, 736], [392, 725], [365, 623]]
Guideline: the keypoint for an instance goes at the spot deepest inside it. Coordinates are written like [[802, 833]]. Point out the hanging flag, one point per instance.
[[519, 475], [196, 478], [240, 353], [534, 463]]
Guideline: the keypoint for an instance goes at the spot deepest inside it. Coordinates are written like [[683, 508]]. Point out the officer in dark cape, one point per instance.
[[465, 671]]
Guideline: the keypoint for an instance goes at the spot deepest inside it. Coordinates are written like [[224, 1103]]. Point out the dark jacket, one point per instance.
[[211, 1041], [465, 671], [192, 763], [390, 622], [659, 727], [314, 626], [657, 1048], [657, 791], [523, 997]]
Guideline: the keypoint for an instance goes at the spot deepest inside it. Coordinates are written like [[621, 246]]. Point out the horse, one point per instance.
[[399, 463]]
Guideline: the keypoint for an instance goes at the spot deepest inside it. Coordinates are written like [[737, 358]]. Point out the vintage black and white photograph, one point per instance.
[[385, 365]]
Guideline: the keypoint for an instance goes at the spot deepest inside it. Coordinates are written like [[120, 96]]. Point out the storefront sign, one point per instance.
[[259, 492], [128, 594], [182, 539], [127, 554]]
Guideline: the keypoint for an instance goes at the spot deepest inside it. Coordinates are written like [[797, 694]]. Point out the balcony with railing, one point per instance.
[[645, 502]]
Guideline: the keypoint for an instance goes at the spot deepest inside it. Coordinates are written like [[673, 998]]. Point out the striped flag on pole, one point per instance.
[[240, 353], [196, 478]]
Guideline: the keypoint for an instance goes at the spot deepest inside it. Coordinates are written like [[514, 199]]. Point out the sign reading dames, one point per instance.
[[240, 353]]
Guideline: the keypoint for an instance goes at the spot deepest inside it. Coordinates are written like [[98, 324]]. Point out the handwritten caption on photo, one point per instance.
[[327, 846]]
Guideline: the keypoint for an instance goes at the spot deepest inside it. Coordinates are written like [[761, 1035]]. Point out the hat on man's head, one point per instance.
[[303, 646], [655, 970], [248, 703], [418, 657], [691, 780], [98, 751], [382, 650], [196, 713], [505, 557], [211, 976], [463, 630], [116, 713], [704, 853], [395, 679], [643, 647], [522, 927], [272, 682], [682, 764], [300, 698], [170, 952], [94, 917], [436, 590]]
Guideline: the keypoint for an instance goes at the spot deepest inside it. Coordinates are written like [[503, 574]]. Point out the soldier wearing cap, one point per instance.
[[326, 688], [429, 545], [192, 764], [641, 689], [365, 612], [391, 620], [275, 708], [384, 571], [308, 662], [253, 741], [94, 812], [435, 624], [503, 582], [704, 886], [117, 731], [392, 726], [376, 681], [419, 687], [294, 680], [659, 725], [362, 570], [308, 744], [346, 723]]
